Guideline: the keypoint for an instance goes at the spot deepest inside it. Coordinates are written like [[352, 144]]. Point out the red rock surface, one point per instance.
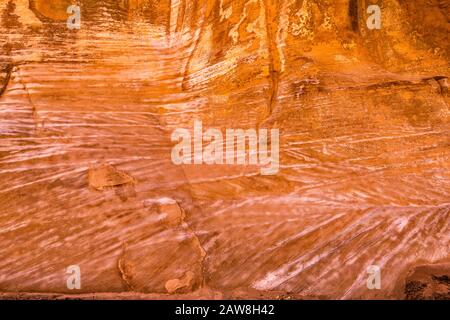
[[86, 176]]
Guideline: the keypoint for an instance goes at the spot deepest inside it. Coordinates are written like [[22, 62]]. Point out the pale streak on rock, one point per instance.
[[175, 284]]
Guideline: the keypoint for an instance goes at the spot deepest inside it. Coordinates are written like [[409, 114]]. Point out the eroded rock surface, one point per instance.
[[428, 283], [364, 122]]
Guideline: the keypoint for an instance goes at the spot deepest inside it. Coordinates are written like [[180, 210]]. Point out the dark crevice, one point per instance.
[[437, 78], [442, 82], [353, 12], [5, 80]]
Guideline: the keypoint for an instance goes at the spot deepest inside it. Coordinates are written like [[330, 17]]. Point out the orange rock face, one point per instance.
[[87, 173]]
